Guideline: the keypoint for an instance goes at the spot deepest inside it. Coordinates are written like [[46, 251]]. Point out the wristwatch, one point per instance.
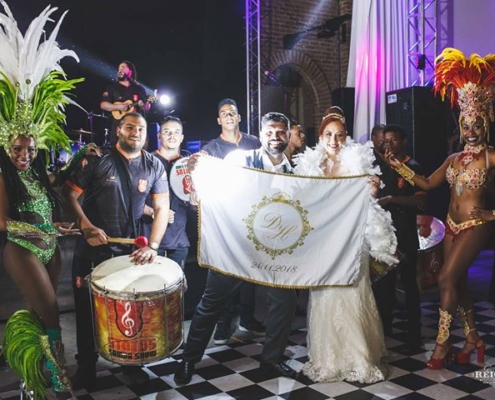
[[153, 246]]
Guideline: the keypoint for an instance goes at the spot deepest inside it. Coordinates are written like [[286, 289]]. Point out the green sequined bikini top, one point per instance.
[[39, 204]]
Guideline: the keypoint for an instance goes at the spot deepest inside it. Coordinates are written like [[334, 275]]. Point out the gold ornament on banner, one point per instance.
[[277, 225]]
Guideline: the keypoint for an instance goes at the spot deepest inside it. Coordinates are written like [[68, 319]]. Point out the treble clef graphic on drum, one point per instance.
[[434, 265], [126, 321], [128, 317]]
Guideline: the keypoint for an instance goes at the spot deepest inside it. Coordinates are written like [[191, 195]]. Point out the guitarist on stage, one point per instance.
[[123, 96]]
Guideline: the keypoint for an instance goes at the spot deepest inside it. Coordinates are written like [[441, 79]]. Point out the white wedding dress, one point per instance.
[[345, 336]]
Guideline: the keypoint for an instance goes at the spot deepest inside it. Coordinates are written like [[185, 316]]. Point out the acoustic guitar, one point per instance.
[[131, 107]]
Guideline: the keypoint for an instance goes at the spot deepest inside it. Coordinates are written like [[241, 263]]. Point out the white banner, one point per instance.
[[279, 229]]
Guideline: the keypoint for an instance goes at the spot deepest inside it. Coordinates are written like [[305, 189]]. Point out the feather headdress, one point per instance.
[[468, 81], [33, 88]]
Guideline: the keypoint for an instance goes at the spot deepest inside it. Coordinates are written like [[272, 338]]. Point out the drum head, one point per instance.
[[180, 179], [431, 231], [119, 274]]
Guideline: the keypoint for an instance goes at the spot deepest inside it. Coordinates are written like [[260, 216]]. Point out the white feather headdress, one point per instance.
[[33, 88]]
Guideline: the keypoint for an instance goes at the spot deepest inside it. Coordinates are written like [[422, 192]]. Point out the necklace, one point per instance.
[[469, 154]]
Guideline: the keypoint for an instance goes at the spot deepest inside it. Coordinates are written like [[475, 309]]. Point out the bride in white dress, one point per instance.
[[345, 336]]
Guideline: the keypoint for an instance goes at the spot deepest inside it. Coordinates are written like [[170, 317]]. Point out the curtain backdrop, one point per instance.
[[379, 55]]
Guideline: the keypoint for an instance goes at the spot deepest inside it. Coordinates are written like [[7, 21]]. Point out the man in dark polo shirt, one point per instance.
[[115, 188], [403, 200], [230, 139]]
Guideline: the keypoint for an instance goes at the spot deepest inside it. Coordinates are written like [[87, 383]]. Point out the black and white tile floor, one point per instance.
[[231, 372]]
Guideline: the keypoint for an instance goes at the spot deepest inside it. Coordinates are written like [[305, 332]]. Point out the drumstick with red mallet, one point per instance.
[[140, 241]]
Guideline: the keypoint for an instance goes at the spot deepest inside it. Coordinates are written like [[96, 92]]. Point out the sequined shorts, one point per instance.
[[454, 229]]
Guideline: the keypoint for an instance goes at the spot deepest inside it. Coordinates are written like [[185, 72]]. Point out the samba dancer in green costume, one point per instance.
[[33, 92]]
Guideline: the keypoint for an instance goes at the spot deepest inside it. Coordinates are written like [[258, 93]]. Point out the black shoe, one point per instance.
[[184, 373], [135, 374], [280, 369], [85, 377], [254, 326], [222, 333]]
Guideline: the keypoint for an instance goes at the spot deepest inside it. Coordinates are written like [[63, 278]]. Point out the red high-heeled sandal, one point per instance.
[[440, 363], [464, 357], [479, 346]]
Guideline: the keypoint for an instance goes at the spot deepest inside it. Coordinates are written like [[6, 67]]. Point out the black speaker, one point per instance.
[[344, 98], [424, 118], [272, 99]]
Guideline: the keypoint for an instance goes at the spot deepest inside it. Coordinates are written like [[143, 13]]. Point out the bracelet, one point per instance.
[[406, 172]]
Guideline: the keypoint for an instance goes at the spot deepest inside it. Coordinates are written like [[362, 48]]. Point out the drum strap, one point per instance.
[[125, 178]]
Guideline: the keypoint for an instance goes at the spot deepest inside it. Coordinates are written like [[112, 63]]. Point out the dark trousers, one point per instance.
[[219, 292], [384, 291], [245, 300], [86, 352]]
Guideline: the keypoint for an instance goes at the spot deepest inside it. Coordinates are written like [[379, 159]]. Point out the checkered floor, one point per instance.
[[231, 372]]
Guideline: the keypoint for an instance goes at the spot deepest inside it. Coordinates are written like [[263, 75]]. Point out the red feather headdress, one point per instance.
[[468, 81]]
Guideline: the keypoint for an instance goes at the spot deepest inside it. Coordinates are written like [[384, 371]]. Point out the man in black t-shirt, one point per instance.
[[115, 187], [123, 96], [403, 200]]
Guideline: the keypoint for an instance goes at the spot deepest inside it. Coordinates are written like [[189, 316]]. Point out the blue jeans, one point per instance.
[[178, 255]]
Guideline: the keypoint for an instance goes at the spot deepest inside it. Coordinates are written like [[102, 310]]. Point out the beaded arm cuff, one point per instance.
[[406, 172]]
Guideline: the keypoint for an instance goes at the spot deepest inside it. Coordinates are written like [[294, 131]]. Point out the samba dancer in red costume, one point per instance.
[[470, 83]]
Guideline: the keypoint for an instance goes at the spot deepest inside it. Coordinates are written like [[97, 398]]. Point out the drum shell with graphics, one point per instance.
[[431, 232], [137, 309]]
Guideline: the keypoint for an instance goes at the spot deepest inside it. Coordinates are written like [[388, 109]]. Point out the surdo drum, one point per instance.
[[137, 309], [431, 232]]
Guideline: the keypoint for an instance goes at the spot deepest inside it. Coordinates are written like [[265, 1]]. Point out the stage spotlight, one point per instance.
[[165, 100]]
